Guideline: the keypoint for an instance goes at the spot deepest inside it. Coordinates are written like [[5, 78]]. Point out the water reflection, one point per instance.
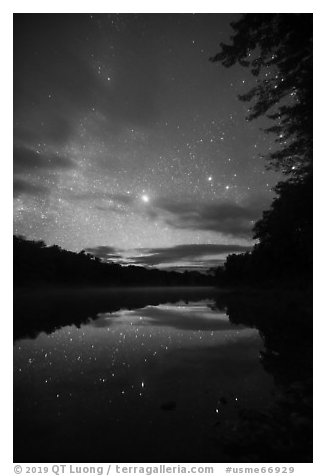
[[149, 376], [284, 320], [191, 316], [47, 310]]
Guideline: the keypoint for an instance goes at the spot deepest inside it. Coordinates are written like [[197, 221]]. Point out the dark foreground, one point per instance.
[[157, 375]]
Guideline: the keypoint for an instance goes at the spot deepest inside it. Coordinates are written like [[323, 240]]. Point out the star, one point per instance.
[[109, 170], [145, 198]]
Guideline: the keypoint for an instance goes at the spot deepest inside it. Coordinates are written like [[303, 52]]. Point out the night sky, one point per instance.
[[130, 143]]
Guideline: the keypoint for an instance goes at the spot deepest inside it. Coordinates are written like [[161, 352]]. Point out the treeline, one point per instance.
[[38, 264], [284, 251], [277, 49]]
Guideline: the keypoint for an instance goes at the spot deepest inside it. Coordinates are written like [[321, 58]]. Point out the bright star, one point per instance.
[[145, 198], [210, 178]]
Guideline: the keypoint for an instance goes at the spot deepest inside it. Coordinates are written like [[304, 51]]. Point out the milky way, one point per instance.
[[130, 143]]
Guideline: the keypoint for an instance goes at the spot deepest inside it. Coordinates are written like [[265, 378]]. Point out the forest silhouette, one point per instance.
[[284, 432], [277, 48], [38, 264]]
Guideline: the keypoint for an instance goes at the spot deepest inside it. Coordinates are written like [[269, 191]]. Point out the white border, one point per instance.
[[318, 8]]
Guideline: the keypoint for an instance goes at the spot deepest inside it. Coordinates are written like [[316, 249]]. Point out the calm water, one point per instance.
[[117, 382]]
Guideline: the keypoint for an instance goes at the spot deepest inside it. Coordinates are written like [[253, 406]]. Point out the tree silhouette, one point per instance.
[[36, 264], [277, 48]]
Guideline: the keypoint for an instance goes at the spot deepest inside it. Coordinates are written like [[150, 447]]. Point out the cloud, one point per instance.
[[26, 159], [102, 251], [58, 80], [179, 253], [189, 256], [117, 198], [22, 187], [56, 129], [108, 254], [222, 217], [226, 217]]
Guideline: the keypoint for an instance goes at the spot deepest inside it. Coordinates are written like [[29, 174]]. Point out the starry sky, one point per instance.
[[129, 143]]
